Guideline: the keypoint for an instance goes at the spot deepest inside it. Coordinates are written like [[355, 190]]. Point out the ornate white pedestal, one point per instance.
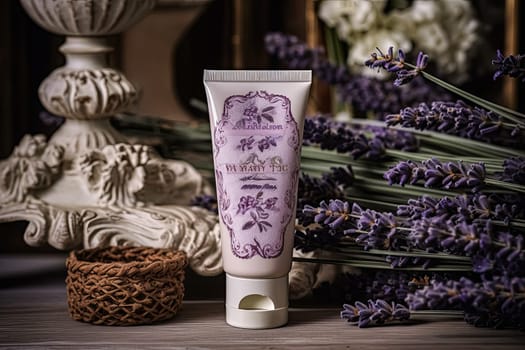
[[86, 186]]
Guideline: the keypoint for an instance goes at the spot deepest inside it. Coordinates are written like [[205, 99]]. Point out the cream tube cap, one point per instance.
[[256, 303]]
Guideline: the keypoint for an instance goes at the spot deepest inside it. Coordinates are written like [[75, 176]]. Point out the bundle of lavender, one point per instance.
[[427, 199], [437, 187]]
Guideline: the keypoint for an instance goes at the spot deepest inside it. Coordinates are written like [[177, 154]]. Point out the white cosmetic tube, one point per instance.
[[257, 120]]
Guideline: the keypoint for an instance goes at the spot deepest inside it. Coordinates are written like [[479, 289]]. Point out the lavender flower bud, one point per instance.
[[458, 118], [299, 56], [496, 302], [363, 93], [514, 170], [368, 142], [449, 175], [396, 65], [377, 312], [512, 65]]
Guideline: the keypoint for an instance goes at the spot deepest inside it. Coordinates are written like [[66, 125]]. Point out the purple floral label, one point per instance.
[[256, 167]]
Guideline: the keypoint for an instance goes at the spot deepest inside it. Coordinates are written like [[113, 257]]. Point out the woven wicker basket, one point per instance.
[[124, 286]]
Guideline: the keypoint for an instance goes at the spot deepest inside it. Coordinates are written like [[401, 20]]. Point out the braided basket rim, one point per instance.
[[169, 260], [146, 286]]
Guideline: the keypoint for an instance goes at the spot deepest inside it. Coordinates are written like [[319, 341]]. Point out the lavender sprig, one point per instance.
[[449, 175], [388, 285], [366, 94], [369, 142], [458, 118], [397, 65], [376, 312], [465, 208], [462, 238], [298, 55], [513, 170], [432, 233], [511, 65], [434, 173], [496, 302], [311, 189], [405, 76], [362, 93]]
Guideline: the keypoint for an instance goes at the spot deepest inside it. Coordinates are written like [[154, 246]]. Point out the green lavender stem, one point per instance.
[[508, 113], [382, 266]]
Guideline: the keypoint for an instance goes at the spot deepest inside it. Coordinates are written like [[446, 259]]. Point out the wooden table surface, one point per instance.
[[33, 314]]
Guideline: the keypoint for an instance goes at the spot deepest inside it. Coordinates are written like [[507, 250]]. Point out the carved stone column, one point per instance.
[[86, 92], [87, 186]]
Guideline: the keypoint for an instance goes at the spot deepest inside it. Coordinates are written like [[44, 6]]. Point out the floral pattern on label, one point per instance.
[[256, 146]]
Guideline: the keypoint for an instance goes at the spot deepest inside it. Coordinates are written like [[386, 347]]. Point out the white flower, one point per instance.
[[332, 12], [424, 11], [351, 17], [364, 16], [446, 30], [432, 39], [449, 33], [335, 14]]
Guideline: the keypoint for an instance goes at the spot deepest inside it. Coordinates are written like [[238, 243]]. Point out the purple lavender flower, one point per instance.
[[490, 249], [369, 142], [334, 213], [393, 139], [512, 65], [403, 173], [513, 170], [363, 147], [370, 228], [397, 64], [312, 189], [408, 261], [458, 118], [511, 247], [419, 207], [384, 61], [366, 94], [328, 134], [446, 225], [449, 175], [495, 302], [376, 230], [389, 285], [315, 238], [405, 76], [439, 295], [340, 176], [509, 206], [461, 238], [395, 286], [375, 312], [468, 208], [298, 55], [363, 93]]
